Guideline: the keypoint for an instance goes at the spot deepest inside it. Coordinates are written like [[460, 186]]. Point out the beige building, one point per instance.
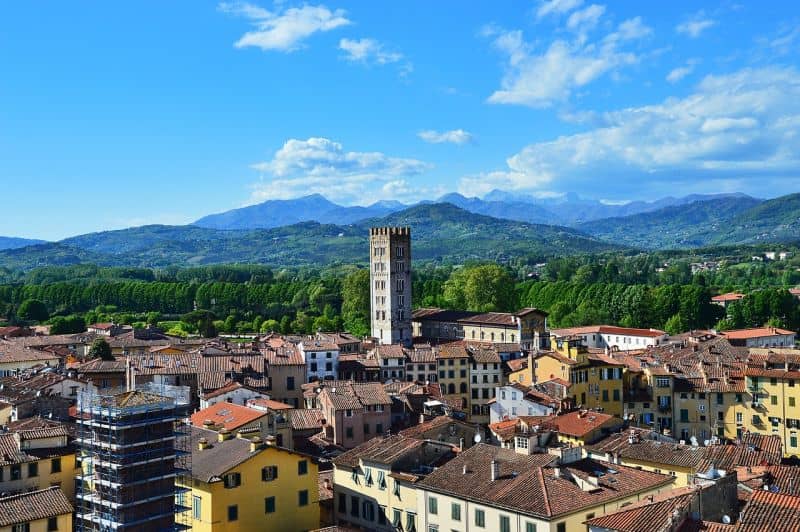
[[44, 510], [526, 327], [495, 489]]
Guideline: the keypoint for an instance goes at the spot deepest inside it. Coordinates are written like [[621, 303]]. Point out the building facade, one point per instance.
[[390, 284]]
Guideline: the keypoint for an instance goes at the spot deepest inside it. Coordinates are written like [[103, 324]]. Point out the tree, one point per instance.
[[355, 303], [33, 310], [483, 288], [675, 325], [71, 324], [101, 349]]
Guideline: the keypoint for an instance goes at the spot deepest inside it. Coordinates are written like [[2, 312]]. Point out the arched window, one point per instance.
[[473, 334], [492, 337], [463, 387], [481, 335], [451, 388], [502, 337]]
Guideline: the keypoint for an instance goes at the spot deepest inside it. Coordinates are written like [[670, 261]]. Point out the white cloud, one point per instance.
[[544, 78], [585, 19], [678, 73], [368, 51], [557, 7], [320, 165], [695, 25], [454, 136], [284, 30], [734, 130]]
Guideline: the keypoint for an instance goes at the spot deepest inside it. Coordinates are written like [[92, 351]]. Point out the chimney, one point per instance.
[[421, 419], [202, 444], [557, 472], [461, 445], [255, 444], [495, 471], [464, 470], [224, 434]]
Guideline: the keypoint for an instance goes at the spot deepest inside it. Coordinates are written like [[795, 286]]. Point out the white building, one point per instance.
[[322, 359], [234, 392], [602, 336], [514, 400], [761, 337]]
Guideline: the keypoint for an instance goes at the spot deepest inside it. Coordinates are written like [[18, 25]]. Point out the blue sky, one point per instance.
[[117, 114]]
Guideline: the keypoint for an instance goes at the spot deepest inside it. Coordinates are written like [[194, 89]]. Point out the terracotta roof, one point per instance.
[[101, 326], [648, 450], [260, 402], [758, 332], [730, 296], [527, 486], [645, 516], [452, 351], [98, 365], [517, 364], [770, 511], [229, 387], [306, 418], [381, 449], [228, 415], [608, 329], [557, 356], [484, 355], [32, 506], [12, 353], [390, 351], [349, 395], [580, 423]]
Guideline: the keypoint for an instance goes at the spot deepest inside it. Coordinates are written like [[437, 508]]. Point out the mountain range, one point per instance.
[[10, 242], [497, 227]]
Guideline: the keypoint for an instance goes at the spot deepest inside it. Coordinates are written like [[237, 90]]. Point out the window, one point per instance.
[[793, 440], [720, 399], [411, 522], [397, 518], [530, 527], [342, 503], [233, 512], [561, 527], [684, 415], [616, 394], [354, 502], [302, 498], [368, 511], [290, 383], [381, 480], [433, 506], [605, 395], [22, 527], [505, 523], [302, 467], [348, 413], [738, 398], [269, 473], [480, 518], [773, 399], [232, 480], [55, 465], [739, 418], [52, 523], [791, 401], [455, 512], [381, 515], [197, 507], [349, 433], [33, 469], [269, 504], [378, 428]]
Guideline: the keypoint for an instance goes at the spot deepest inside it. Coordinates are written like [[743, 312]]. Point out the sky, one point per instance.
[[116, 114]]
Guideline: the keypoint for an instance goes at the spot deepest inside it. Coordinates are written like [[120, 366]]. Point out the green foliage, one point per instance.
[[483, 288], [356, 303], [101, 349], [67, 324], [33, 310]]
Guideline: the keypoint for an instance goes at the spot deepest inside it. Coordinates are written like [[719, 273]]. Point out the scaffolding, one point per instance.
[[135, 459]]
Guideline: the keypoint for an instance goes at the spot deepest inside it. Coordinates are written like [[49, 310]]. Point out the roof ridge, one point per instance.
[[545, 497]]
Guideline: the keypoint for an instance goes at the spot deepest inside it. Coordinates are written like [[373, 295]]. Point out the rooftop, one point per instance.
[[227, 415], [757, 332], [33, 505]]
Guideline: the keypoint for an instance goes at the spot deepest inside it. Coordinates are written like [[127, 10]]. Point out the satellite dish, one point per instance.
[[477, 438], [726, 519]]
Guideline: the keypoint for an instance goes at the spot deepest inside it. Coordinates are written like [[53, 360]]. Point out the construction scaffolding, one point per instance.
[[134, 450]]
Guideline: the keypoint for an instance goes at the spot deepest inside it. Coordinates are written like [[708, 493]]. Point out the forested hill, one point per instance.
[[9, 242], [441, 232], [723, 221]]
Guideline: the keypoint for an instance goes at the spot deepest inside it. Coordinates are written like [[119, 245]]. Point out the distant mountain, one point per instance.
[[572, 210], [723, 221], [677, 226], [277, 213], [509, 209], [10, 242], [440, 231]]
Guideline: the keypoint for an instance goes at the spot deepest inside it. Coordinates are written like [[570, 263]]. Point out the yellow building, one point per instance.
[[243, 485], [775, 407], [520, 371], [550, 365], [597, 383], [583, 427], [37, 456], [375, 483], [453, 365], [44, 510]]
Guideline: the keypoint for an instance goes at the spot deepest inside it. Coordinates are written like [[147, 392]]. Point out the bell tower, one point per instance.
[[390, 284]]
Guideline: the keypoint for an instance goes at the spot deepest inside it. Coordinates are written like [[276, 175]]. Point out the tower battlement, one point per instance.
[[388, 231]]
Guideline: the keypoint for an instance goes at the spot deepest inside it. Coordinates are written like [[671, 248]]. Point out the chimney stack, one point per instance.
[[224, 434], [202, 444], [495, 465], [255, 444]]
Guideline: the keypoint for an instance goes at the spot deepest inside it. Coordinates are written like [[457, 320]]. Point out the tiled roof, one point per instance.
[[758, 332], [452, 351], [98, 365], [347, 395], [230, 416], [270, 404], [608, 329], [11, 353], [212, 462], [645, 516], [517, 364], [382, 450], [306, 418], [648, 450], [770, 511], [526, 486], [422, 355], [557, 356], [390, 351], [32, 506], [580, 423], [730, 296]]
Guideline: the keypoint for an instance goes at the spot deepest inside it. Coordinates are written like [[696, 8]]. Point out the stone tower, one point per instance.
[[390, 284]]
